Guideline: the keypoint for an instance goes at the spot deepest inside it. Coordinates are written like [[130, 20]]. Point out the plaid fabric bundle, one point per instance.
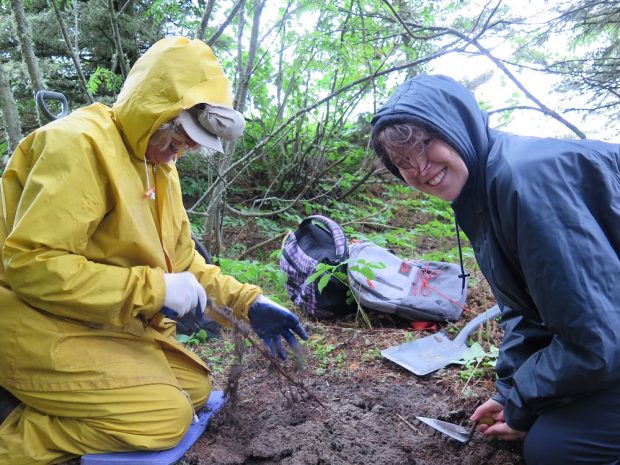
[[318, 239]]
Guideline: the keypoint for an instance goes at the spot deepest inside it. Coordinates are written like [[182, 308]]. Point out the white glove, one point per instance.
[[184, 293]]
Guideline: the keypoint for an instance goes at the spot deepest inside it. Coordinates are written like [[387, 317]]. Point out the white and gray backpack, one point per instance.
[[415, 290]]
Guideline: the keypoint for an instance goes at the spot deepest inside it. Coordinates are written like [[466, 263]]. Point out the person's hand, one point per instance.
[[183, 294], [499, 429], [272, 322]]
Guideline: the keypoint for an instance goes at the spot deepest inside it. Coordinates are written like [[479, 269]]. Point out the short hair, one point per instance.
[[167, 133], [397, 142]]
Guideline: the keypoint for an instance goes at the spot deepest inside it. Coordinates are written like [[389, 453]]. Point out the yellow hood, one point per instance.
[[155, 91]]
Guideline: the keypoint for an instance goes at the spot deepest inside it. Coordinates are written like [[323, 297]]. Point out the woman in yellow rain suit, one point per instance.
[[94, 241]]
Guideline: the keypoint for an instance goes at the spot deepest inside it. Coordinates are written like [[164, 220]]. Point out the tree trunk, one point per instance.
[[25, 42], [9, 115], [204, 21], [74, 56], [118, 43], [244, 77], [215, 209], [235, 10]]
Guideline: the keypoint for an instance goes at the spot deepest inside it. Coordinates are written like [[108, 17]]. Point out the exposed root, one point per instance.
[[231, 391]]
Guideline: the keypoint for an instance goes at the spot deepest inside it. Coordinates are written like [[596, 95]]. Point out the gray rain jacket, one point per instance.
[[543, 218]]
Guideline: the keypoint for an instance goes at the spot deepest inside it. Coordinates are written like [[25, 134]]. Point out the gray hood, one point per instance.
[[444, 107]]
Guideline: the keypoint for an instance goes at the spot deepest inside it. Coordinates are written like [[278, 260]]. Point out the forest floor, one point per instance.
[[357, 407]]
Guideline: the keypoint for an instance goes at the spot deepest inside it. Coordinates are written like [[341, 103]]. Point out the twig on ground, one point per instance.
[[404, 420]]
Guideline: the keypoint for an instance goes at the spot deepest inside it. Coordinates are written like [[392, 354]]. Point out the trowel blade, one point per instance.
[[458, 432]]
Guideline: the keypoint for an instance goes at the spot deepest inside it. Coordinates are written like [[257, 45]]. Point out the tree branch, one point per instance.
[[226, 22], [484, 51]]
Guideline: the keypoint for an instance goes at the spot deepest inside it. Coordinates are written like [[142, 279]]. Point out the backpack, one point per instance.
[[415, 290], [317, 239]]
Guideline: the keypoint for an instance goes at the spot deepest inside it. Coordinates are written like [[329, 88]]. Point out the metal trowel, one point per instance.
[[458, 432]]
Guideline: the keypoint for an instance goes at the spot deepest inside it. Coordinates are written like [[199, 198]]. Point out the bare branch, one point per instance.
[[484, 51], [74, 56], [227, 21], [204, 21]]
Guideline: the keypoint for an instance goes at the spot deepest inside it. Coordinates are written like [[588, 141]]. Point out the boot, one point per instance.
[[7, 403]]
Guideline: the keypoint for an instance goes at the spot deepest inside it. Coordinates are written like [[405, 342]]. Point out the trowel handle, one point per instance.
[[470, 327], [487, 420]]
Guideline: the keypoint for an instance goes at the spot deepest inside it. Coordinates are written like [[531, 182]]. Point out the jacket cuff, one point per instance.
[[517, 415]]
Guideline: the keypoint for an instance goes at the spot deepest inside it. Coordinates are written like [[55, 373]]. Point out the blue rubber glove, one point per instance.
[[272, 322]]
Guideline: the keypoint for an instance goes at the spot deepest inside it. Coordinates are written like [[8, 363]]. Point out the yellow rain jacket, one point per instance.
[[84, 252]]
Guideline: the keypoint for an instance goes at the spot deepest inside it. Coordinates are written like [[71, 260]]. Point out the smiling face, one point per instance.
[[425, 162], [437, 170]]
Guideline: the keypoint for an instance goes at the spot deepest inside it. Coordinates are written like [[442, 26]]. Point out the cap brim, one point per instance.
[[198, 133]]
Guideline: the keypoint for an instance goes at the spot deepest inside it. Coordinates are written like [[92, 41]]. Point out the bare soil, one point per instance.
[[366, 406], [370, 421]]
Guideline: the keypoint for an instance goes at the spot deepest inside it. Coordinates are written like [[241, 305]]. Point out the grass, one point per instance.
[[324, 356]]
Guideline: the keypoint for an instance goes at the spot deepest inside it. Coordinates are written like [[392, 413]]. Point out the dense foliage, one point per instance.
[[308, 75]]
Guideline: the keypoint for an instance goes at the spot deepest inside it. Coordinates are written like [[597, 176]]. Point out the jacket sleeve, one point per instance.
[[522, 338], [568, 247], [55, 205], [221, 288]]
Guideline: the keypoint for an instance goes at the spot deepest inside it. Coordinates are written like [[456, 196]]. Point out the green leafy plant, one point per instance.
[[194, 339], [474, 360], [266, 275], [218, 353], [111, 81], [324, 272], [371, 355], [324, 355]]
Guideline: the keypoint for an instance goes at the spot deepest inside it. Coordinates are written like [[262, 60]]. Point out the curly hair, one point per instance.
[[397, 143]]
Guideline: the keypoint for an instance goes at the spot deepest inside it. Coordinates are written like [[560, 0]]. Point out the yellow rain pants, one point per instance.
[[57, 426]]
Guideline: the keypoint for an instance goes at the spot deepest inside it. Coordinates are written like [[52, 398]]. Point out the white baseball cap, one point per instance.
[[206, 124]]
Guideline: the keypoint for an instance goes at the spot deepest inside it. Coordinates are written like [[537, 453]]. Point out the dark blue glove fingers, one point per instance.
[[274, 344], [269, 343], [300, 331], [272, 323], [277, 342], [291, 339]]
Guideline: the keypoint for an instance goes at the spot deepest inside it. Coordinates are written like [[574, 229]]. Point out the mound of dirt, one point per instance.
[[360, 422]]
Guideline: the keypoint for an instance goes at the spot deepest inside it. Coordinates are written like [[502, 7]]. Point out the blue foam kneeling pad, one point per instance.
[[168, 456]]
